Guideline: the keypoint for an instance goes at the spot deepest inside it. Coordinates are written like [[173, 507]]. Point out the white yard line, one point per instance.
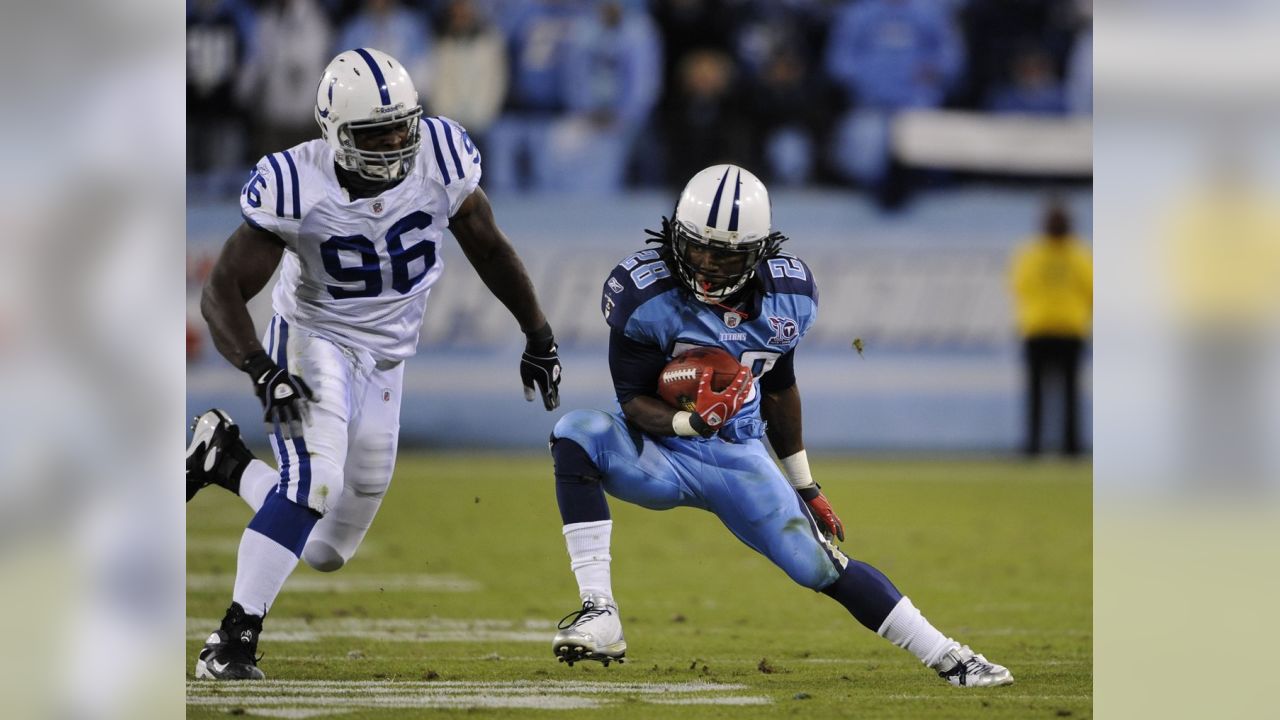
[[419, 630], [229, 544], [345, 582], [509, 686], [989, 695], [302, 695], [294, 713]]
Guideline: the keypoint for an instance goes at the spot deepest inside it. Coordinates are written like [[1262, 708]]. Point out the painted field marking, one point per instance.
[[304, 695], [888, 661], [229, 544], [295, 713], [342, 583], [989, 696], [418, 630], [1009, 631]]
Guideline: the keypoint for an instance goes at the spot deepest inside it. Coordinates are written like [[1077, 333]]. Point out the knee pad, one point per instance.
[[322, 556], [325, 485], [370, 463], [583, 427], [815, 574]]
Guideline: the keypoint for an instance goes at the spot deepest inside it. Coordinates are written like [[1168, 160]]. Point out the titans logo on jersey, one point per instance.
[[359, 271], [653, 319]]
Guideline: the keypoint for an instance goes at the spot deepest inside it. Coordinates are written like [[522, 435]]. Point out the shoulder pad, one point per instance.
[[456, 158], [640, 277], [787, 274]]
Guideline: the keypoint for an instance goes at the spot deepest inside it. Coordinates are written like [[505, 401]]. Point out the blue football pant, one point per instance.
[[738, 482]]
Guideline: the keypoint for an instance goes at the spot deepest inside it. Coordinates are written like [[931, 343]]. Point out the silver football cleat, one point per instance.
[[592, 633], [965, 668]]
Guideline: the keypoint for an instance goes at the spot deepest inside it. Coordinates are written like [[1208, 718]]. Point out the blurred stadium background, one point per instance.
[[909, 145]]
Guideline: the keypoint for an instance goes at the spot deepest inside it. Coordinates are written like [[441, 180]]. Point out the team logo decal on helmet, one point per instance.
[[720, 231], [364, 93]]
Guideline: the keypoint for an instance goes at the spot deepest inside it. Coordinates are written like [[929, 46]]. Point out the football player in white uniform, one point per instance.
[[357, 218]]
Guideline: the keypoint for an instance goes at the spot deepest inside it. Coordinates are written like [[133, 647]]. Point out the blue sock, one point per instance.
[[285, 522], [865, 592], [578, 489]]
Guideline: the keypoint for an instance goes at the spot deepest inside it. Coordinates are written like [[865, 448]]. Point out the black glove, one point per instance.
[[284, 397], [540, 366]]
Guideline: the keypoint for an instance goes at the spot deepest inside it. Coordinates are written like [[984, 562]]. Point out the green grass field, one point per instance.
[[450, 606]]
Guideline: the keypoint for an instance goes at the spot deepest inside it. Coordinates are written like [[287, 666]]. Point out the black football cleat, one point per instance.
[[216, 455], [230, 652]]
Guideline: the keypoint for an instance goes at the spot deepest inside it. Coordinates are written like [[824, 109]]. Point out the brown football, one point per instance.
[[678, 381]]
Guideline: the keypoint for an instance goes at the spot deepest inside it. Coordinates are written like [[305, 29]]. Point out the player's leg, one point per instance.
[[744, 488], [310, 474], [373, 435], [593, 450]]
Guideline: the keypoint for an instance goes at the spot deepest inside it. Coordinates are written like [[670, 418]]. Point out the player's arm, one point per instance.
[[780, 409], [635, 367], [496, 262], [242, 270], [244, 267]]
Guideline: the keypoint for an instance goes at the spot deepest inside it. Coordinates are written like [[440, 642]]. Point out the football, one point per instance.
[[678, 381]]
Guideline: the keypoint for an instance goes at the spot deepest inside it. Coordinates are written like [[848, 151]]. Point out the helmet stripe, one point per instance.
[[715, 203], [377, 75], [733, 216]]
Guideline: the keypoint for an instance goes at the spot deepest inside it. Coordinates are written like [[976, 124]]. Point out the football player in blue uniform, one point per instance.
[[355, 221], [718, 279]]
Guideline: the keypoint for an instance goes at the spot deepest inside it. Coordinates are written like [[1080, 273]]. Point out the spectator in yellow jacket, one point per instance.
[[1052, 283]]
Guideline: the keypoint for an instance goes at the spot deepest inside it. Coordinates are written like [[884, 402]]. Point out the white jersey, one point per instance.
[[359, 271]]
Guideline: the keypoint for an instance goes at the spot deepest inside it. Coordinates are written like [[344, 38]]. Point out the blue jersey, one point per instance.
[[653, 319]]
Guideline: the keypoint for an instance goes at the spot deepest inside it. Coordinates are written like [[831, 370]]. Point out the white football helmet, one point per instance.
[[721, 230], [365, 91]]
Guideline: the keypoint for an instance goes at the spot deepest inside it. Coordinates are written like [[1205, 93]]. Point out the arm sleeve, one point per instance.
[[455, 155], [634, 365], [782, 375]]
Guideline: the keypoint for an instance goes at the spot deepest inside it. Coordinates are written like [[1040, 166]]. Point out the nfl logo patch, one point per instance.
[[377, 207], [386, 395], [732, 319]]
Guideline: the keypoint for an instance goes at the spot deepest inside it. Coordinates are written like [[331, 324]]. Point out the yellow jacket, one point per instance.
[[1052, 286]]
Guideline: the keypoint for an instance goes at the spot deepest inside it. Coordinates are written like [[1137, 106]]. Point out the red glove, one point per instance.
[[715, 408], [822, 512]]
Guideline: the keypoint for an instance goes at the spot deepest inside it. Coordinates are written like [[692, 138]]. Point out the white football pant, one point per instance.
[[341, 464]]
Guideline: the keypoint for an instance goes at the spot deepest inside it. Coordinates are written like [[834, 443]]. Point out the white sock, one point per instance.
[[589, 558], [257, 480], [261, 569], [908, 629]]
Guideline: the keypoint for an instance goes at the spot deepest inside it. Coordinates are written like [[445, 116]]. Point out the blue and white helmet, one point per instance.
[[367, 90], [721, 231]]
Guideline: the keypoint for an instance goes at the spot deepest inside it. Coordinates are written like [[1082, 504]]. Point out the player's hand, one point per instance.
[[540, 366], [827, 519], [284, 397], [715, 408]]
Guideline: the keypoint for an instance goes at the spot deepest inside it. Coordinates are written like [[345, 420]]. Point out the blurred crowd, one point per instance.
[[598, 95]]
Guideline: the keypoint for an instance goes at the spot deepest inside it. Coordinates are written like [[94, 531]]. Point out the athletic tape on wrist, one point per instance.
[[682, 425], [797, 470]]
